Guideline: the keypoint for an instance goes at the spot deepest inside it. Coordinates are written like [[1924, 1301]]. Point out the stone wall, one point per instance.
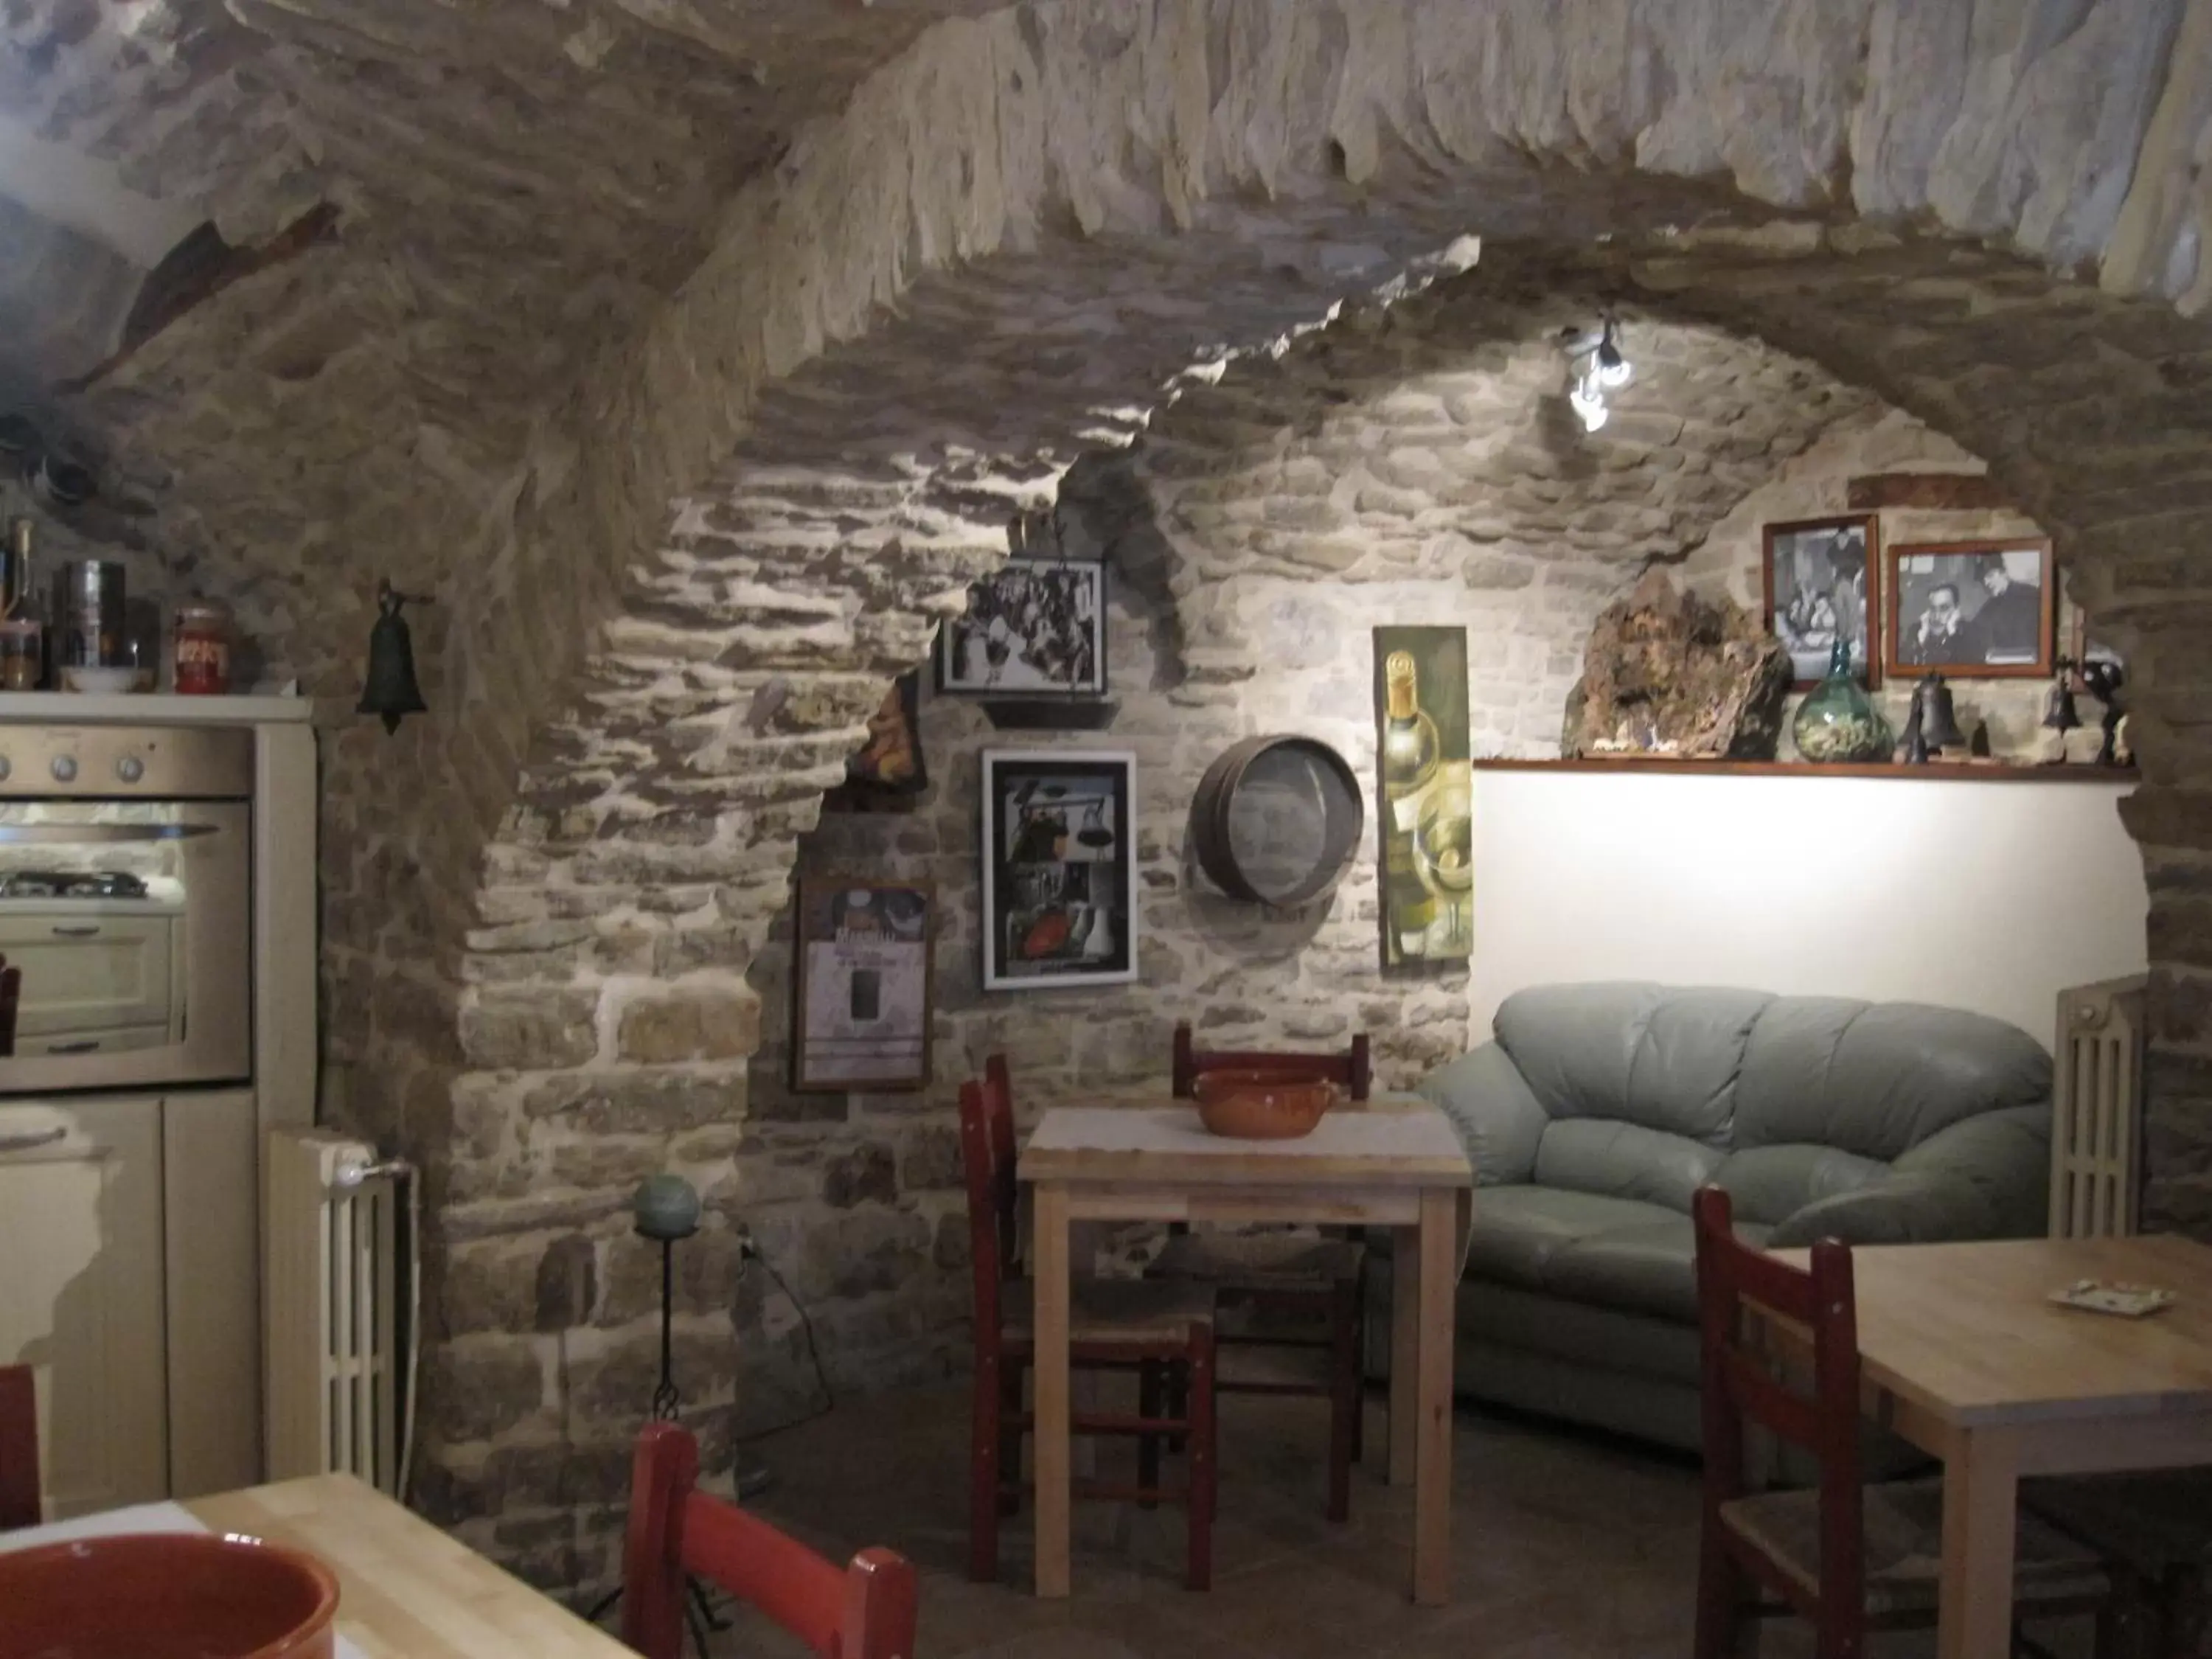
[[1416, 464]]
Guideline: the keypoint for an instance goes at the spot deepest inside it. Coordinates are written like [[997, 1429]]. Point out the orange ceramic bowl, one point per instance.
[[1261, 1103], [165, 1595]]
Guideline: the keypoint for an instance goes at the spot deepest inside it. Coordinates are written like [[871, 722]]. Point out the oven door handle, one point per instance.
[[66, 834]]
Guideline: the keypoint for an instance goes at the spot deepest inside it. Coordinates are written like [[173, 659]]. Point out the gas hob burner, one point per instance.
[[72, 884]]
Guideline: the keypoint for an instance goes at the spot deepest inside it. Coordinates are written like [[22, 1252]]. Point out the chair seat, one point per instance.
[[1115, 1311], [2153, 1523], [1258, 1261], [1904, 1526]]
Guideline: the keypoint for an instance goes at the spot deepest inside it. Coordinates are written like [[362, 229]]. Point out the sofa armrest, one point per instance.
[[1498, 1118], [1987, 1177]]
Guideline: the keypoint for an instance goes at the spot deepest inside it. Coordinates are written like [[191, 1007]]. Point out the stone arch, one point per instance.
[[1115, 194]]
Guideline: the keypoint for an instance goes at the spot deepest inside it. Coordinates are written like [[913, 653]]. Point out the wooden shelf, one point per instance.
[[1934, 771]]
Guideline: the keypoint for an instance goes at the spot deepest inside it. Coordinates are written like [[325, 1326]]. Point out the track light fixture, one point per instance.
[[1599, 367]]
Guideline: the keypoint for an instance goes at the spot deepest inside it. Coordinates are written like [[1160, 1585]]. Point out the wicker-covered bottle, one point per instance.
[[1837, 722]]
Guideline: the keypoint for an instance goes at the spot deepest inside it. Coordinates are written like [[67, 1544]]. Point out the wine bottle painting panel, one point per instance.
[[1427, 900]]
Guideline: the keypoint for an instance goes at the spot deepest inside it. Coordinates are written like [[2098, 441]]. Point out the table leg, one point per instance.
[[1981, 1489], [1439, 1255], [1053, 1472], [1405, 1351]]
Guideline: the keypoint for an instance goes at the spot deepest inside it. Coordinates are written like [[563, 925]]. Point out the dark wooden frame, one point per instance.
[[998, 1423], [1876, 633], [20, 1504], [1892, 633], [865, 1609], [800, 1082], [1120, 767], [1101, 637]]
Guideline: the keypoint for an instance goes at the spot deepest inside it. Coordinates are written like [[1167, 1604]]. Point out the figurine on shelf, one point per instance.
[[2060, 716], [2104, 676]]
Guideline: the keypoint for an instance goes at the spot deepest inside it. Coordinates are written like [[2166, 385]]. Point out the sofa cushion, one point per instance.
[[1876, 1078], [1649, 1267], [1623, 1160], [1769, 1184], [1664, 1057], [1516, 1230]]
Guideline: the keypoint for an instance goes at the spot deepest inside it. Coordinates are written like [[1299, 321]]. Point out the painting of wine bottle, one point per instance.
[[1423, 794]]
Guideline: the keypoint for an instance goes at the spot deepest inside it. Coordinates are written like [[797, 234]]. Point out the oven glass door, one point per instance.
[[124, 944]]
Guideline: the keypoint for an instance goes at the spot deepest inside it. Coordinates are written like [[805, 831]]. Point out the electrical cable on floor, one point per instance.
[[752, 1252]]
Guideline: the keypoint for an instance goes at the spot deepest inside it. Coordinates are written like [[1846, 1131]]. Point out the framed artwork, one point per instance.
[[889, 772], [1972, 610], [1034, 628], [861, 1019], [1059, 889], [1821, 580], [1425, 795]]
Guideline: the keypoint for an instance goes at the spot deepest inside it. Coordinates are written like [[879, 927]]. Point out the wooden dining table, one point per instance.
[[1400, 1166], [406, 1590], [1962, 1353]]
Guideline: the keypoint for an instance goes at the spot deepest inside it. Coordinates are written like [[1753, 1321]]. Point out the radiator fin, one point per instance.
[[2096, 1129], [330, 1258]]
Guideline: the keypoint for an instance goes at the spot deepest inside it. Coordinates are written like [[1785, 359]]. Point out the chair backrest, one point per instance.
[[864, 1610], [19, 1449], [987, 1158], [11, 994], [1740, 1382], [1349, 1067]]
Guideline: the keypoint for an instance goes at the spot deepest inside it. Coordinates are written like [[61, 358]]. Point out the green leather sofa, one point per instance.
[[1600, 1108]]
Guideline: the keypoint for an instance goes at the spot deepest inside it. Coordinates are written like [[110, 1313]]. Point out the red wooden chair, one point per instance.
[[864, 1610], [11, 994], [19, 1449], [1848, 1557], [1289, 1280], [1164, 1333]]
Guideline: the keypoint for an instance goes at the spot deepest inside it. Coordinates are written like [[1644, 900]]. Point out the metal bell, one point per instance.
[[390, 689], [1939, 720], [2059, 714]]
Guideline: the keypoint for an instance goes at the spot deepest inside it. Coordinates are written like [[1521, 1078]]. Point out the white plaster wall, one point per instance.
[[1992, 896]]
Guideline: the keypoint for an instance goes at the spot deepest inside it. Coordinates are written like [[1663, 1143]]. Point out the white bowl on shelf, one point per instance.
[[100, 681]]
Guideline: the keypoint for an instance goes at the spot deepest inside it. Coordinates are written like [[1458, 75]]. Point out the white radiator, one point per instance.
[[2096, 1127], [329, 1284]]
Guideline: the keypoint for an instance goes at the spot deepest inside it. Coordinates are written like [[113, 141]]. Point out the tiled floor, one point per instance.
[[1564, 1545]]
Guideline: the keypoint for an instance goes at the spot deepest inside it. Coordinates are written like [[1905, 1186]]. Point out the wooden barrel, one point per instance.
[[1277, 820]]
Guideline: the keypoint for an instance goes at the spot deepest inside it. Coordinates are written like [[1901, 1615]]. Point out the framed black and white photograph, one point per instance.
[[1036, 628], [1060, 889], [1822, 579], [1980, 610], [861, 1016]]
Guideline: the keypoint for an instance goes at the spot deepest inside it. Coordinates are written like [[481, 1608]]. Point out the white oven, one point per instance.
[[125, 896]]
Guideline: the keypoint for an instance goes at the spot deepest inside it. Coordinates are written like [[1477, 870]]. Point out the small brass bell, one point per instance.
[[1939, 726], [390, 689]]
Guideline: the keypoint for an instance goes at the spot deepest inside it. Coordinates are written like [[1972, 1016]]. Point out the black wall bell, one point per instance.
[[390, 689]]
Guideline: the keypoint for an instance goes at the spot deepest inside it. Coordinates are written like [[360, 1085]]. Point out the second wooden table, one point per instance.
[[1401, 1170]]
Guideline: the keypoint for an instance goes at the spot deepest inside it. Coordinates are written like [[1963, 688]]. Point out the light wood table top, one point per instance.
[[405, 1589], [1411, 1147], [1968, 1332]]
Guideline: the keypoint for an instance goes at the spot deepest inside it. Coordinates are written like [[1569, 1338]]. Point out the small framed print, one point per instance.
[[1059, 889], [1980, 610], [1036, 628], [862, 1009], [1822, 582]]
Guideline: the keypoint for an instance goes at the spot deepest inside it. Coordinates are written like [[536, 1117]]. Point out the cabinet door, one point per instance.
[[81, 1293], [89, 972]]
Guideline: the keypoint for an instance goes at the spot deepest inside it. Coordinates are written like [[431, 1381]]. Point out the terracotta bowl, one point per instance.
[[1261, 1103], [166, 1596]]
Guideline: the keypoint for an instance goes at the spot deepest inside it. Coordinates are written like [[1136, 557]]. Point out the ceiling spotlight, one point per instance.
[[1589, 400], [1613, 369]]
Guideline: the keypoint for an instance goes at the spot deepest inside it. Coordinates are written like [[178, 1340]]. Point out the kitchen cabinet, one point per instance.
[[81, 1292]]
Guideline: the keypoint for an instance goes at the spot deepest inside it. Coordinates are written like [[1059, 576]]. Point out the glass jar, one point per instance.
[[22, 655], [203, 648], [1837, 722]]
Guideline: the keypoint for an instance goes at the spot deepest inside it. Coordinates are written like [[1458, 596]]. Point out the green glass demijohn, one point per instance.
[[1837, 721]]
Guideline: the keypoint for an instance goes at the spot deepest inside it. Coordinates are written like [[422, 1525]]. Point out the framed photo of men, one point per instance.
[[1822, 579], [1983, 610], [1034, 628]]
